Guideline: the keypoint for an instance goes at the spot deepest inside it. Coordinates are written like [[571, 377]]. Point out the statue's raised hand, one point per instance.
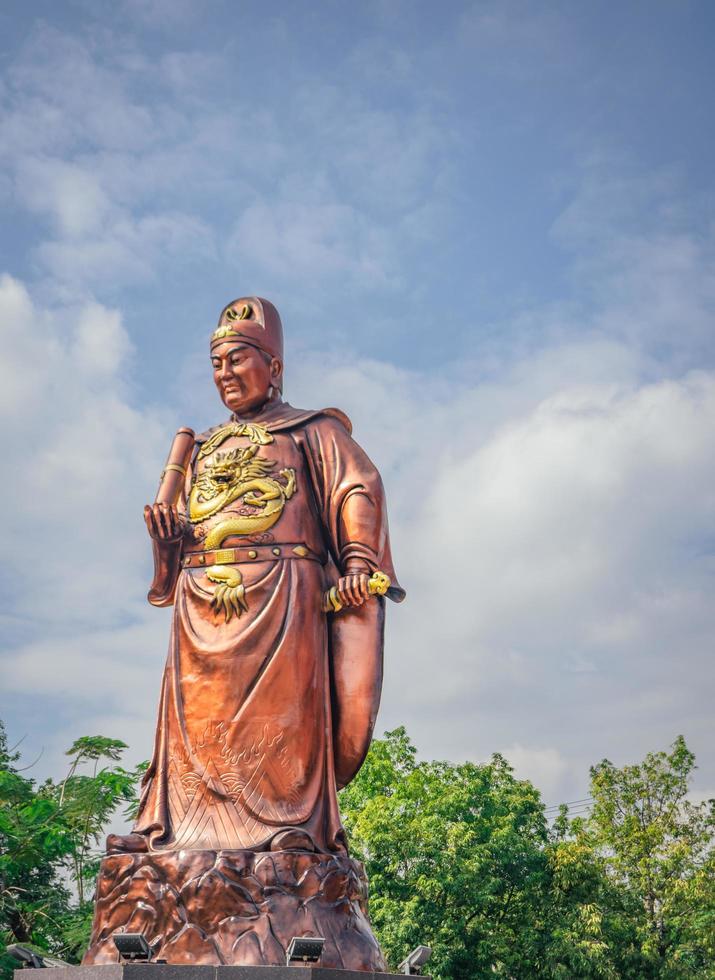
[[163, 522]]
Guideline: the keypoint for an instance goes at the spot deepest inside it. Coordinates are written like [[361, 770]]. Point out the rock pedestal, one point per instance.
[[237, 908]]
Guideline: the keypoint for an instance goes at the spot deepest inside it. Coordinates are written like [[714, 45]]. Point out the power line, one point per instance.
[[557, 806]]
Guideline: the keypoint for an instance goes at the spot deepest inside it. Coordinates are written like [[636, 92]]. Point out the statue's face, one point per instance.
[[243, 375]]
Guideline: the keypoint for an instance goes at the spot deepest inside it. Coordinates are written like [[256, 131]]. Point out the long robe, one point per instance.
[[264, 714]]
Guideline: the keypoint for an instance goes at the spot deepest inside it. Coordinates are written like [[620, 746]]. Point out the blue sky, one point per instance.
[[489, 228]]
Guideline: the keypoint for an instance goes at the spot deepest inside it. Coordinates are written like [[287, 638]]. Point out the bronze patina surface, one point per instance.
[[217, 907], [270, 540]]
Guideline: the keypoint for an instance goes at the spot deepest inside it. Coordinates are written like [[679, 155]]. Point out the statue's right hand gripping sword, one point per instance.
[[378, 584]]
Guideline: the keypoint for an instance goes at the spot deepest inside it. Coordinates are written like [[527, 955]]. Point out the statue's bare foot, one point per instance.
[[127, 844], [292, 840]]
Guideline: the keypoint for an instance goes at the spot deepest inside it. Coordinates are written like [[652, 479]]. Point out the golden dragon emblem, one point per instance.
[[237, 475]]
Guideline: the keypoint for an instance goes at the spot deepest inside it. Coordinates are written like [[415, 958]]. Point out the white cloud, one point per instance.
[[518, 41], [127, 249], [549, 528], [71, 194], [644, 255], [120, 151], [546, 768], [62, 94], [81, 644], [291, 240], [163, 13], [100, 342], [550, 489], [81, 461]]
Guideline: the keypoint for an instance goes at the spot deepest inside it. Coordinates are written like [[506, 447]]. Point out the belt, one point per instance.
[[248, 553]]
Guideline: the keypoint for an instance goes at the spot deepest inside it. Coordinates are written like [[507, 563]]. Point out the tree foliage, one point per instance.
[[657, 848], [49, 845], [459, 857], [451, 851]]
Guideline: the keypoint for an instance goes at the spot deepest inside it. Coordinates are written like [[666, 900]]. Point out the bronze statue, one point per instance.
[[270, 539]]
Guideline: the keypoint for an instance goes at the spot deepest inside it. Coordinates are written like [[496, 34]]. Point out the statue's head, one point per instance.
[[247, 354]]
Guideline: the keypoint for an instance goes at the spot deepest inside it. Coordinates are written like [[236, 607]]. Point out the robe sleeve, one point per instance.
[[351, 499]]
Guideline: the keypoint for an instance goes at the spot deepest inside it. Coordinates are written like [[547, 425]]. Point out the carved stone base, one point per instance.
[[235, 907]]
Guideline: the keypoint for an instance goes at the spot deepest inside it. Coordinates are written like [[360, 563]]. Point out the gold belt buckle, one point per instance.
[[226, 556]]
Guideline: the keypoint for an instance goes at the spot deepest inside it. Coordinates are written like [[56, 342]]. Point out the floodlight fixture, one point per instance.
[[34, 959], [132, 946], [304, 949], [413, 964]]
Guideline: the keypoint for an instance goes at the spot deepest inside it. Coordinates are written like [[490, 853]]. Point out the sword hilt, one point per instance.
[[378, 584]]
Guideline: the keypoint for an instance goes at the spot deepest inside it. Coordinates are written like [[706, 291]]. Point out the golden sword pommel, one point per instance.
[[378, 584]]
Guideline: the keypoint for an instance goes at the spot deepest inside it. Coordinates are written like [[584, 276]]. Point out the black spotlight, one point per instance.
[[415, 961], [304, 949], [132, 946], [33, 959]]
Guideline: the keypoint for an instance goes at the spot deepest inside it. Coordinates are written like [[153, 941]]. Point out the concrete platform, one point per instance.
[[159, 971]]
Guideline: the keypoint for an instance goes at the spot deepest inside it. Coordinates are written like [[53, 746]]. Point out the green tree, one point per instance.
[[86, 802], [657, 846], [49, 844], [587, 916], [455, 857], [33, 843], [459, 857]]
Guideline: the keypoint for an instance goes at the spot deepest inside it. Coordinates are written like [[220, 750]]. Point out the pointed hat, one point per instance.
[[251, 320]]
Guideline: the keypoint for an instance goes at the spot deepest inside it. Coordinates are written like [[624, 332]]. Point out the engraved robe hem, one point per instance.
[[233, 767]]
